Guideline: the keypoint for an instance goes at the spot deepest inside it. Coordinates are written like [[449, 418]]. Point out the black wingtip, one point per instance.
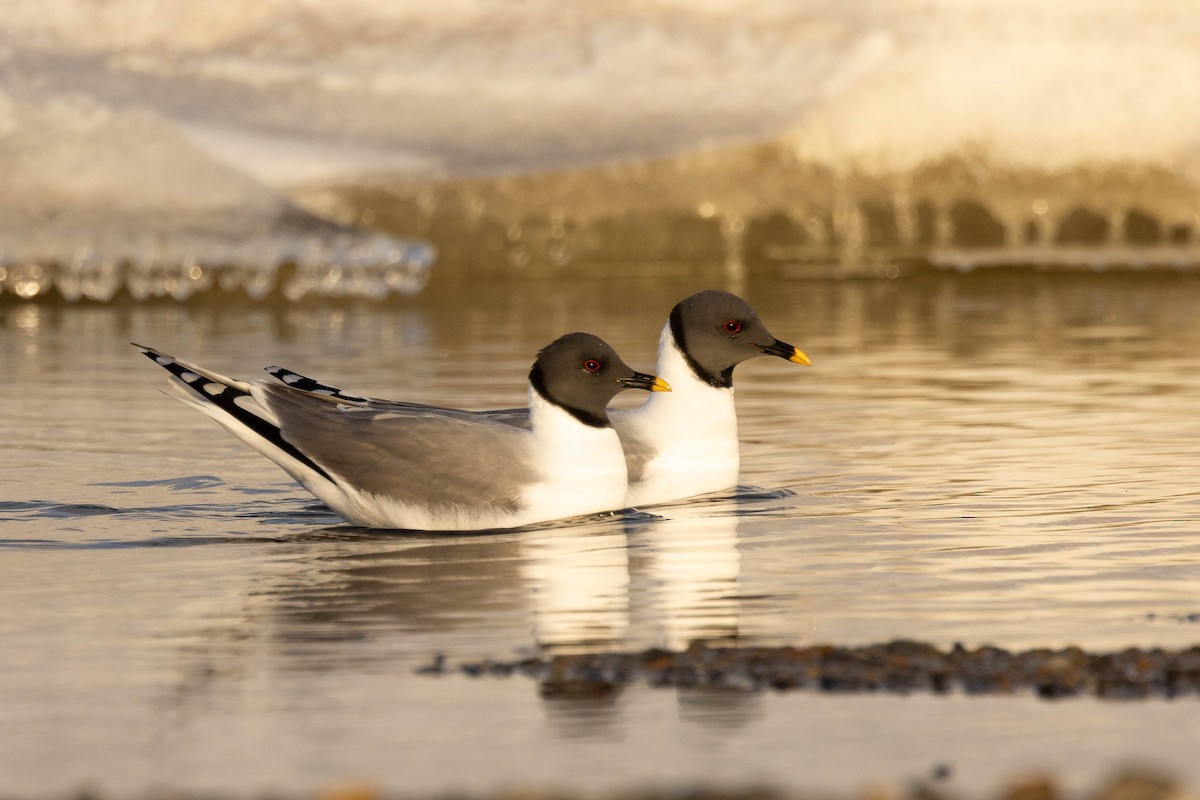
[[290, 378], [150, 351], [305, 384], [226, 399], [157, 356]]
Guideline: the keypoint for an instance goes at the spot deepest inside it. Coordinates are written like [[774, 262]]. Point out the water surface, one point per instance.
[[999, 458]]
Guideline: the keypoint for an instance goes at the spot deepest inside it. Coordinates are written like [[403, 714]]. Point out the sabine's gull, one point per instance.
[[676, 445], [428, 468]]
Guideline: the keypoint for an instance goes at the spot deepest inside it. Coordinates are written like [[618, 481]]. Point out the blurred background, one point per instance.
[[979, 218], [306, 147]]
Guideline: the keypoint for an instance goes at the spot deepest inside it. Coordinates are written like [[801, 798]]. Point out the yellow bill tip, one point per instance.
[[799, 357]]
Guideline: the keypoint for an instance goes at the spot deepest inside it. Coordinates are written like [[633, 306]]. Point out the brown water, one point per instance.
[[1002, 458]]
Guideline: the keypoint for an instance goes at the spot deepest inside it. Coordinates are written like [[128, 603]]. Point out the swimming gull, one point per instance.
[[680, 445], [428, 468]]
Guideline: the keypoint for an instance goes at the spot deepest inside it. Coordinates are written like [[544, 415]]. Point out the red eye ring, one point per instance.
[[732, 326], [592, 365]]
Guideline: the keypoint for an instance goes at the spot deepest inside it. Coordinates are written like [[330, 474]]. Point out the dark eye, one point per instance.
[[732, 326], [592, 365]]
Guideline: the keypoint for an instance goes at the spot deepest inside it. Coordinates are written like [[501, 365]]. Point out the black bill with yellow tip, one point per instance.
[[640, 380], [787, 352]]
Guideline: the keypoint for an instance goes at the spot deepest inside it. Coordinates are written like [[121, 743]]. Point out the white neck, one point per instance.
[[687, 390], [572, 455], [692, 429]]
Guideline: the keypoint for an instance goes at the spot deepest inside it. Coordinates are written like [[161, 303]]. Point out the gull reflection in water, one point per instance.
[[661, 580], [685, 571], [622, 582], [578, 588]]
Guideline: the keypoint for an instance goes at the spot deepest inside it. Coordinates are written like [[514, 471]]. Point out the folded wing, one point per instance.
[[516, 417], [410, 453]]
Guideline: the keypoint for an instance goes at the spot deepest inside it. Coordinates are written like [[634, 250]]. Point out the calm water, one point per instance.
[[1008, 459]]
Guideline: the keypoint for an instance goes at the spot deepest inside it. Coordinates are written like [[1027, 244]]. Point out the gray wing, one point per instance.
[[513, 417], [414, 454], [516, 417], [638, 451]]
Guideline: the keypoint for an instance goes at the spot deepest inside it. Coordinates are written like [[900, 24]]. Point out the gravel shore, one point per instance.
[[900, 667]]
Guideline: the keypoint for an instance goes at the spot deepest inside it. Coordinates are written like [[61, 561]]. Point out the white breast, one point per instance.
[[692, 429], [581, 471], [582, 468]]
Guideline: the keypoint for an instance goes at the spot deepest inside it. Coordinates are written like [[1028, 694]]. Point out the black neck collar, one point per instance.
[[538, 381], [718, 380]]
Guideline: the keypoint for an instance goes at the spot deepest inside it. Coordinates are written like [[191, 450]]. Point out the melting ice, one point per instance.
[[166, 147]]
